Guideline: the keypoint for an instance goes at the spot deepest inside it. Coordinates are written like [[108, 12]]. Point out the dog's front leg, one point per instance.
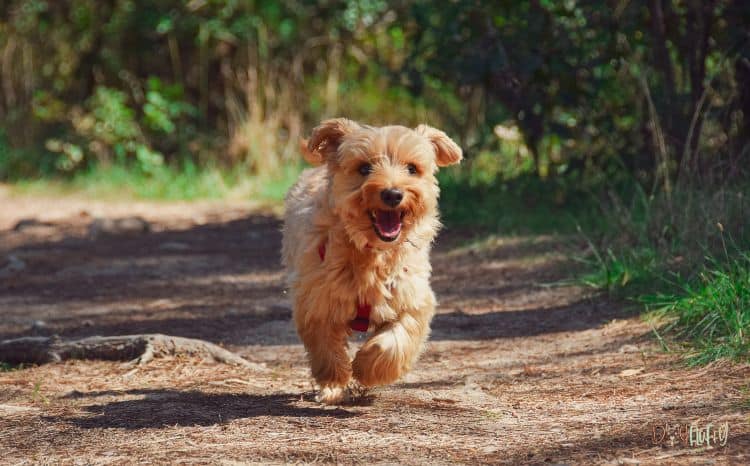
[[330, 365], [391, 350]]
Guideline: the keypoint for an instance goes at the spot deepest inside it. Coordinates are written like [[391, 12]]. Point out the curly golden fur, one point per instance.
[[372, 204]]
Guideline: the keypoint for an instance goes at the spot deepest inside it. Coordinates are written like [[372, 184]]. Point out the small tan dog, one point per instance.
[[357, 236]]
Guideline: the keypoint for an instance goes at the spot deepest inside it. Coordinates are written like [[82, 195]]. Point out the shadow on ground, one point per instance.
[[578, 316], [246, 328], [82, 267], [163, 407], [223, 282]]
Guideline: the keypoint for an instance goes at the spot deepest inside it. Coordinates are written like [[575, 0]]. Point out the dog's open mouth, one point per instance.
[[387, 223]]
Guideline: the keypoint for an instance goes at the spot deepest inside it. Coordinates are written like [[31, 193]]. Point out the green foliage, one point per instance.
[[110, 119], [585, 87], [37, 395], [624, 273], [587, 84], [165, 107], [649, 249], [713, 309], [107, 130], [496, 192], [5, 367], [22, 163], [218, 78], [525, 205], [166, 182]]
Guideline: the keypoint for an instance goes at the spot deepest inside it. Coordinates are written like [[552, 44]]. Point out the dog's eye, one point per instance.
[[365, 169], [412, 169]]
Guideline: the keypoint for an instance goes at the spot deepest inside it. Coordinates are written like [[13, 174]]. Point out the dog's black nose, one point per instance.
[[391, 197]]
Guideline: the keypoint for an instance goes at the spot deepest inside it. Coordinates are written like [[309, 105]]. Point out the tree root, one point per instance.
[[137, 349]]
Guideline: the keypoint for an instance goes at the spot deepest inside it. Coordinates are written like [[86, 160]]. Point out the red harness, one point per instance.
[[362, 321]]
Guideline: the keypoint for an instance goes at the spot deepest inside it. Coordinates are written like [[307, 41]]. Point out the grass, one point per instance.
[[707, 314], [519, 206], [186, 182], [678, 259], [37, 395], [621, 273], [6, 367], [712, 310]]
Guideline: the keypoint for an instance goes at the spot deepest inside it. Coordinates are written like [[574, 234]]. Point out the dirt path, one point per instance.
[[517, 371]]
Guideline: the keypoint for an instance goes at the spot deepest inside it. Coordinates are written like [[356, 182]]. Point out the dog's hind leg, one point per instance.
[[391, 350]]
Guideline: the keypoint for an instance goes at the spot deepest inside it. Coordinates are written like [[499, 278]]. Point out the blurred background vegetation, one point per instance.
[[627, 121]]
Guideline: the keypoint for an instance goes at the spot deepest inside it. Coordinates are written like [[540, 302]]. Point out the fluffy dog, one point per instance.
[[357, 236]]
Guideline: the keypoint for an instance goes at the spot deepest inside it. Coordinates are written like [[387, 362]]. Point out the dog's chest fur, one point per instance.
[[389, 280]]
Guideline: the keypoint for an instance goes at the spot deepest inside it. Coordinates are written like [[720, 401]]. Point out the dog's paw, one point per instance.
[[332, 395], [357, 391], [373, 366], [359, 395]]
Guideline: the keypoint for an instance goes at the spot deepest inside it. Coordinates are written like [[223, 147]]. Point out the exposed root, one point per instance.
[[137, 349]]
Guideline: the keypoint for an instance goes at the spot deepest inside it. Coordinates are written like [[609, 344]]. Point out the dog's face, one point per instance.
[[382, 179]]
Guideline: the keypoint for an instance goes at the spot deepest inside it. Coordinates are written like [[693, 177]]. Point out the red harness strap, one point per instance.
[[322, 251], [362, 322]]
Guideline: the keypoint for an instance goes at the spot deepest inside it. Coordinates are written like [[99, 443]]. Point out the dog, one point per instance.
[[357, 234]]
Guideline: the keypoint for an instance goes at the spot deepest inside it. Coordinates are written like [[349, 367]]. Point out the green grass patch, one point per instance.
[[186, 182], [711, 310], [6, 367], [621, 273], [707, 313], [683, 258]]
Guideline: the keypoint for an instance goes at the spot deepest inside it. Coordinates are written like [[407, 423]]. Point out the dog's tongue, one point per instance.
[[389, 222]]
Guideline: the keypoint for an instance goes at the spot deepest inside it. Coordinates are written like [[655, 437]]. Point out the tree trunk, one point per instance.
[[663, 63]]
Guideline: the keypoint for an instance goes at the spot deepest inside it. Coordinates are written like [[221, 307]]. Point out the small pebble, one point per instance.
[[38, 325], [118, 226], [11, 266]]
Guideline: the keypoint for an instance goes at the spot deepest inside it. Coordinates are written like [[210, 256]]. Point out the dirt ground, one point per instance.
[[518, 370]]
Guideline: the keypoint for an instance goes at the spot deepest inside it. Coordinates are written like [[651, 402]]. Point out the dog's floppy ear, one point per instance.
[[326, 138], [447, 152]]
